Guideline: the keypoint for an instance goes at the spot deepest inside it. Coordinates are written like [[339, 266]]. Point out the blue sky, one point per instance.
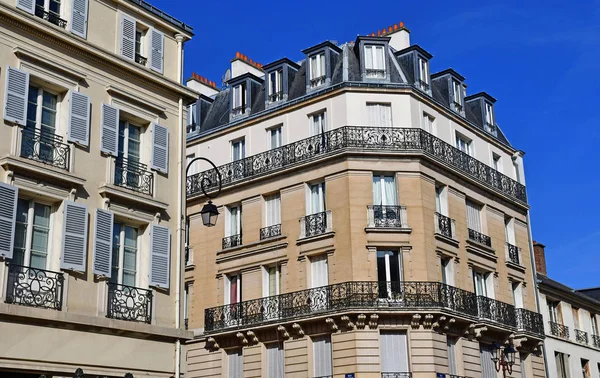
[[539, 59]]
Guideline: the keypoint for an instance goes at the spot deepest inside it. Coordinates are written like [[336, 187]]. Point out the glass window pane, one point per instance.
[[49, 118], [41, 215], [394, 267], [38, 261], [131, 235], [128, 278], [129, 259], [49, 100]]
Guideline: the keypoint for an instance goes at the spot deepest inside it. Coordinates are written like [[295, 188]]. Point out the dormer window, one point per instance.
[[423, 74], [239, 100], [490, 125], [317, 70], [456, 95], [374, 61], [276, 85]]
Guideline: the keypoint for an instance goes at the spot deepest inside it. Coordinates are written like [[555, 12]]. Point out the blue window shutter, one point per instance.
[[75, 226], [15, 96], [160, 247], [79, 17], [160, 148], [27, 5], [8, 212], [79, 119], [157, 41], [103, 239], [109, 132], [128, 26]]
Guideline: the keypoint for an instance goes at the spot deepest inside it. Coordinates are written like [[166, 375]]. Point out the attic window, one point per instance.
[[456, 89], [490, 125], [374, 61], [239, 100], [317, 70], [423, 74], [276, 86]]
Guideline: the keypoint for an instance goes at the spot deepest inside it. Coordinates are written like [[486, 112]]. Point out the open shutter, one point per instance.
[[156, 50], [79, 15], [103, 238], [110, 130], [15, 95], [127, 37], [160, 246], [79, 119], [27, 5], [75, 225], [8, 212], [160, 148]]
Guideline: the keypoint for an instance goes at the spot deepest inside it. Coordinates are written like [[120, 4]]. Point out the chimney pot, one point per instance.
[[401, 24], [395, 26]]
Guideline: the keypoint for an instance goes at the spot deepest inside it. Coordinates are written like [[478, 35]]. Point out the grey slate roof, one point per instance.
[[593, 292], [170, 19], [545, 280]]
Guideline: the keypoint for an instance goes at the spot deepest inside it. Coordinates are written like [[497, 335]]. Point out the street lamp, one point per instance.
[[504, 358], [209, 212]]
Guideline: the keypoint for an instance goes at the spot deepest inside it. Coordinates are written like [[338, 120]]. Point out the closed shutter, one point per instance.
[[128, 37], [235, 364], [394, 352], [473, 216], [275, 361], [451, 342], [488, 370], [79, 119], [15, 95], [79, 17], [110, 130], [75, 225], [160, 148], [322, 356], [319, 271], [273, 210], [156, 50], [103, 238], [27, 5], [160, 246], [8, 211]]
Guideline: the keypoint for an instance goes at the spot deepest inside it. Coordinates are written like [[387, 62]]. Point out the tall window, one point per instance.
[[428, 123], [562, 365], [42, 110], [473, 215], [463, 143], [272, 210], [125, 250], [524, 365], [480, 280], [393, 350], [192, 116], [441, 200], [489, 114], [318, 124], [186, 304], [276, 85], [239, 99], [271, 280], [139, 41], [50, 6], [423, 73], [576, 317], [384, 190], [193, 170], [275, 361], [238, 150], [594, 320], [447, 275], [389, 273], [496, 162], [274, 137], [32, 233], [235, 363], [317, 70], [316, 198], [234, 223], [585, 368], [451, 345], [554, 311], [233, 289], [129, 141], [517, 293], [380, 115], [488, 370], [509, 229], [456, 92], [322, 360], [319, 271], [374, 61]]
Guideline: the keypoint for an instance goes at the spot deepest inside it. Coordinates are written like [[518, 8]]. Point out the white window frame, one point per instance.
[[447, 271], [39, 107], [469, 204], [29, 232], [594, 321], [229, 221], [428, 123], [47, 7], [241, 142], [517, 292], [320, 190], [509, 229], [126, 138], [381, 179], [489, 114], [276, 131], [239, 98], [562, 366], [266, 286], [451, 342], [227, 287], [464, 144], [120, 268], [317, 281], [553, 311], [318, 123], [441, 199], [423, 70], [456, 90], [388, 267], [278, 76], [483, 284], [143, 32], [380, 114], [273, 200], [317, 69], [375, 60], [497, 162]]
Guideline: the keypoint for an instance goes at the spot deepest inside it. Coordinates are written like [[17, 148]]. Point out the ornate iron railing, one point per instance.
[[530, 321], [444, 226], [50, 17], [270, 231], [387, 216], [480, 238], [134, 175], [492, 129], [342, 296], [232, 241], [424, 85], [139, 59], [496, 311], [238, 110], [458, 107], [512, 253], [375, 73], [315, 224], [34, 287], [359, 138], [47, 149], [277, 96], [581, 336], [559, 330], [596, 341], [129, 303], [317, 81], [403, 374]]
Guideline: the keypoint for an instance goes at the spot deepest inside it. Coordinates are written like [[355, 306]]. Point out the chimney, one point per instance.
[[202, 85], [241, 64], [400, 36], [540, 257]]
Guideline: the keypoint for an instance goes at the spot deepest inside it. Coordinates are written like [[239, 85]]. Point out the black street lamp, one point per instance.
[[504, 358], [209, 212]]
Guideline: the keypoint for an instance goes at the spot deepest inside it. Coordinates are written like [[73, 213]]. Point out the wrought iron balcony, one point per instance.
[[424, 85], [445, 226], [317, 81], [232, 241], [129, 303], [559, 330], [492, 129], [385, 216], [375, 73], [480, 238], [529, 321], [409, 141], [496, 311], [581, 336], [134, 175], [139, 59], [238, 110], [513, 254], [457, 107], [403, 374], [50, 17], [43, 148], [315, 224], [34, 287], [596, 341], [277, 96], [270, 231]]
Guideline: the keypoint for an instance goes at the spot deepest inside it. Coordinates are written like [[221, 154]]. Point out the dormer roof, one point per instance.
[[448, 71], [329, 44], [247, 75], [278, 62], [480, 94], [417, 48]]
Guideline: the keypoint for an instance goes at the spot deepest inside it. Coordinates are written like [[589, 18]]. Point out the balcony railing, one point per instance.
[[315, 224], [403, 374], [232, 241], [358, 138], [134, 175], [50, 17], [496, 311], [129, 303], [559, 330], [480, 238], [457, 107], [270, 231], [375, 73], [317, 81], [596, 341], [385, 216], [581, 336], [139, 59], [424, 85], [492, 129], [43, 148], [277, 96], [530, 321], [34, 287], [513, 254], [445, 226], [239, 110]]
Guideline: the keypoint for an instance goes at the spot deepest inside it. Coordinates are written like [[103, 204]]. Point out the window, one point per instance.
[[473, 215], [489, 114], [488, 368], [32, 234], [42, 116], [235, 363], [389, 273], [575, 317], [393, 350], [192, 169], [317, 124], [192, 117], [375, 61], [481, 283], [186, 305], [594, 321], [428, 123], [585, 368], [233, 289], [447, 275], [139, 43], [517, 172], [234, 223], [275, 361], [129, 141], [496, 162], [451, 345], [124, 258], [554, 311], [52, 7], [238, 150], [509, 229], [380, 115], [463, 143], [517, 293], [441, 200], [456, 93], [316, 202], [271, 280], [319, 271], [524, 365], [322, 356], [239, 99], [384, 190], [274, 137], [317, 70], [562, 365], [276, 86], [272, 210], [423, 74]]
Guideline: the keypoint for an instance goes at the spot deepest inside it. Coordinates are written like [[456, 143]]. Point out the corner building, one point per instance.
[[91, 194], [373, 220]]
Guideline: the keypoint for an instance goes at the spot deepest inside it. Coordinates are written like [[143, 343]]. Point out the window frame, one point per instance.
[[126, 140], [278, 136], [314, 282], [229, 220], [266, 284], [382, 182], [423, 67], [386, 253], [239, 97], [370, 59], [456, 92], [229, 278], [276, 197], [497, 162], [461, 139], [321, 65], [40, 107], [29, 229], [380, 106], [276, 91], [46, 7], [322, 123], [121, 254], [321, 193], [428, 123], [242, 150]]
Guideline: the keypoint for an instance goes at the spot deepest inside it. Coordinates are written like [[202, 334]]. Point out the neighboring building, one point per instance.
[[373, 220], [91, 194], [571, 319]]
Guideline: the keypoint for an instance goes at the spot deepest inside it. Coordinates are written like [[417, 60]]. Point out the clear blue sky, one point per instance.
[[540, 60]]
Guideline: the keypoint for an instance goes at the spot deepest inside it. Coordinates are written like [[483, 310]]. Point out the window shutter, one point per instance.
[[15, 92], [79, 119], [75, 225], [160, 148], [160, 246], [473, 216], [103, 238], [127, 37], [26, 5], [156, 50], [79, 15], [8, 211], [110, 130]]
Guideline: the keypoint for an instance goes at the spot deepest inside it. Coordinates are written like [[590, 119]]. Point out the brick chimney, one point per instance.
[[540, 257], [400, 36]]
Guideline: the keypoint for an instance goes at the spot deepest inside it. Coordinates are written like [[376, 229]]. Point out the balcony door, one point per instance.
[[389, 274], [441, 200], [272, 210], [233, 289], [393, 352], [384, 191], [32, 234], [125, 251], [233, 226], [322, 360], [271, 281], [319, 270], [482, 283], [42, 117], [517, 294], [316, 201], [473, 216], [554, 312]]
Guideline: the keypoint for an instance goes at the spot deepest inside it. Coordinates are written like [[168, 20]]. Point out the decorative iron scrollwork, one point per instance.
[[34, 287], [129, 303], [496, 311], [480, 238], [46, 149], [270, 231], [134, 175], [232, 241]]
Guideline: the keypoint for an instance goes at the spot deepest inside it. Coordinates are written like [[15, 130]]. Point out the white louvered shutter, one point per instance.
[[322, 356], [473, 216], [109, 133], [157, 41], [128, 26], [15, 95], [75, 226], [235, 364], [160, 148], [275, 361], [394, 353], [79, 119], [8, 211], [103, 239], [27, 5], [79, 17], [160, 246]]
